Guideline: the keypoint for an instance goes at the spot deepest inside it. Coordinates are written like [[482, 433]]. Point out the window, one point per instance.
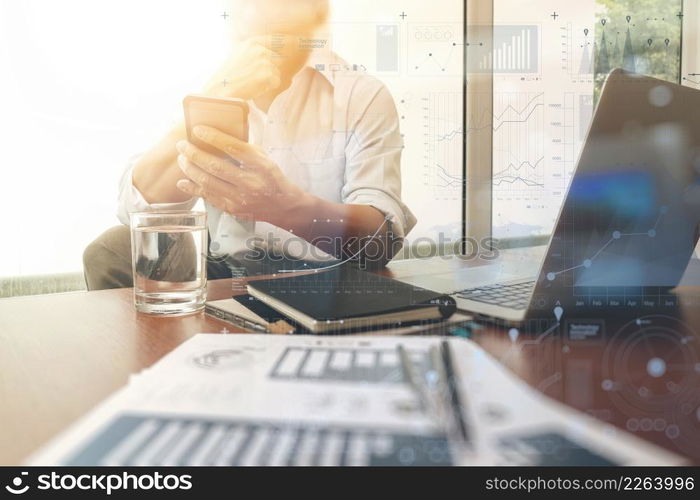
[[85, 86], [416, 49], [549, 62]]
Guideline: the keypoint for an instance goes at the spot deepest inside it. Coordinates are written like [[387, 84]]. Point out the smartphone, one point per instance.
[[225, 114]]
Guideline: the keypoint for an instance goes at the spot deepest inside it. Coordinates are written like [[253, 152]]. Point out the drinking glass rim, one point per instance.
[[168, 212]]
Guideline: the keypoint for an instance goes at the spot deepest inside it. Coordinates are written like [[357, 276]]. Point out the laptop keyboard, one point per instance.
[[513, 295]]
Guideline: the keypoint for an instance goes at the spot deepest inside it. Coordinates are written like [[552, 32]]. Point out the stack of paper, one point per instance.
[[301, 400]]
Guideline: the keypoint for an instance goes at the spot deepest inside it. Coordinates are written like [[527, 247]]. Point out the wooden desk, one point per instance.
[[62, 354]]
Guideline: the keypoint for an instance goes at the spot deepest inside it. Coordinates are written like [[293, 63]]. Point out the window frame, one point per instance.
[[690, 37], [477, 153]]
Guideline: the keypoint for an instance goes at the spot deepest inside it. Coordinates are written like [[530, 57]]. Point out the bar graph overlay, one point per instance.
[[160, 440], [350, 365], [515, 50]]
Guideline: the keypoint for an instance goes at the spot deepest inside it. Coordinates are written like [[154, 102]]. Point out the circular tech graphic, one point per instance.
[[223, 359], [684, 430], [652, 364]]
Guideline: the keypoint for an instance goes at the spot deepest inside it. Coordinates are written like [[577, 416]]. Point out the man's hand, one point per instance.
[[256, 189], [251, 71]]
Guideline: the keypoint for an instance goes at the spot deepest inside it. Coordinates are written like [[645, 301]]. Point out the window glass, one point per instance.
[[550, 60]]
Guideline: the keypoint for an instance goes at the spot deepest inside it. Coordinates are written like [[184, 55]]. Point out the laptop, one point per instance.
[[628, 225]]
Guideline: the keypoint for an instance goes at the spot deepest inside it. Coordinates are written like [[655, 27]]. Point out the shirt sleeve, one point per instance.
[[131, 200], [373, 155]]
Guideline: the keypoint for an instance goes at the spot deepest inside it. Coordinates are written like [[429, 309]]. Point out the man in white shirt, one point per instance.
[[320, 177]]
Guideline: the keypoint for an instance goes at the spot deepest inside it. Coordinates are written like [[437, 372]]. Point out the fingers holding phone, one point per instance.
[[225, 114], [241, 179]]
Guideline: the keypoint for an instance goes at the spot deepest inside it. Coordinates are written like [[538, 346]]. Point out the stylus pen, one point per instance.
[[455, 400]]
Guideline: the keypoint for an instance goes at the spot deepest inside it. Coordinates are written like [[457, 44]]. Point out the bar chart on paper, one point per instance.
[[164, 440], [349, 365]]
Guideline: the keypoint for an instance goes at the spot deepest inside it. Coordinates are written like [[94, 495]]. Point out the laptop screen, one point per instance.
[[631, 214]]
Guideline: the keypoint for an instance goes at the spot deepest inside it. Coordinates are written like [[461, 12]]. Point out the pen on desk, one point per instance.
[[446, 397], [409, 373], [446, 392], [452, 383]]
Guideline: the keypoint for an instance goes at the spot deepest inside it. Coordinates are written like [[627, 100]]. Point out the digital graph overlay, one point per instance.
[[652, 364], [504, 49], [518, 153], [578, 51], [435, 49], [443, 138], [639, 42], [614, 236]]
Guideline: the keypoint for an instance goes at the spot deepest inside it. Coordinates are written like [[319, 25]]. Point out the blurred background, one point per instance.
[[88, 84]]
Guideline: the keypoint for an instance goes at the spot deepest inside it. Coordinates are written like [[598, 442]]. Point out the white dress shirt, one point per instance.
[[334, 133]]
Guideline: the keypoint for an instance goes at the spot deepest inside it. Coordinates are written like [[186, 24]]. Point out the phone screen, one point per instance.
[[230, 116]]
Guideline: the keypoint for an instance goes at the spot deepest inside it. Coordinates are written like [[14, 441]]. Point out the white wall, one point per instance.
[[85, 84]]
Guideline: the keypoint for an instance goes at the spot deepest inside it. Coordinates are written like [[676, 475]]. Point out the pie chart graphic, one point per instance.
[[222, 359]]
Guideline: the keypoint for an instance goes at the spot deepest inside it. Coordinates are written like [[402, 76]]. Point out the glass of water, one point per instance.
[[168, 252]]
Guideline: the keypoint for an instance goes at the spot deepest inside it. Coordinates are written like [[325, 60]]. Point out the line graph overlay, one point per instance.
[[435, 49], [443, 136], [616, 235], [512, 174], [518, 156]]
